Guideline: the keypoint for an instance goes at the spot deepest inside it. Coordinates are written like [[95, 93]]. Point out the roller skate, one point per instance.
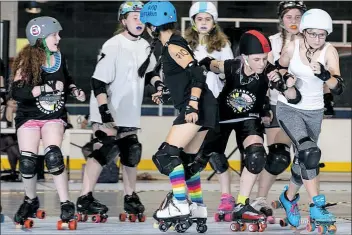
[[293, 216], [243, 214], [199, 215], [88, 205], [321, 218], [2, 217], [67, 216], [173, 213], [133, 209], [260, 204], [227, 203], [28, 209]]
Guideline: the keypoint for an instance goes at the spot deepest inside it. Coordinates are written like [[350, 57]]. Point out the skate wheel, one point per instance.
[[72, 225], [122, 217], [132, 218], [163, 227], [262, 227], [96, 218], [322, 229], [276, 204], [202, 228], [283, 222], [40, 214], [28, 223], [253, 227], [103, 220], [243, 227], [141, 218], [217, 217], [235, 227], [309, 227], [271, 219], [332, 229], [59, 225], [179, 228], [228, 217], [85, 218]]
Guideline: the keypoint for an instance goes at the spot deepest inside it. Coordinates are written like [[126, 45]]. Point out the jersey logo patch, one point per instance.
[[240, 101]]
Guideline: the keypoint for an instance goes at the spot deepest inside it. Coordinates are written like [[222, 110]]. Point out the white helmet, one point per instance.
[[316, 19], [203, 7]]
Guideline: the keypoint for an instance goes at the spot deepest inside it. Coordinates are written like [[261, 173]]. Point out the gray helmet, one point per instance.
[[41, 27]]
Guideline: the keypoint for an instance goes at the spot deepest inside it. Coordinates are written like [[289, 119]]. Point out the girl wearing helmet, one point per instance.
[[243, 108], [115, 111], [289, 13], [206, 38], [312, 62], [176, 157], [40, 85]]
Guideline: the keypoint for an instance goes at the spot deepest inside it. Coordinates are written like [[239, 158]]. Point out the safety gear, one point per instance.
[[54, 160], [41, 27], [286, 5], [203, 7], [167, 158], [131, 150], [158, 13], [254, 42], [28, 164], [255, 158], [127, 7], [316, 19]]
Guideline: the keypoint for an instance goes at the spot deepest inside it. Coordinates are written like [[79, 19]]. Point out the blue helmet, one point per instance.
[[158, 13]]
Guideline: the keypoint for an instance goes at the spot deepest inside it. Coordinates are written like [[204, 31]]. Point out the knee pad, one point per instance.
[[130, 150], [279, 158], [296, 173], [218, 162], [167, 158], [54, 160], [255, 158], [28, 164], [107, 152], [309, 161], [190, 166]]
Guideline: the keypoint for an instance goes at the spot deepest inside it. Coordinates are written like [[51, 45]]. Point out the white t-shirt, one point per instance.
[[310, 86], [213, 81], [118, 67]]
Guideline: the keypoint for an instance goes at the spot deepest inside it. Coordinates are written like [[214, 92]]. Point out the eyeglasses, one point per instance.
[[315, 35]]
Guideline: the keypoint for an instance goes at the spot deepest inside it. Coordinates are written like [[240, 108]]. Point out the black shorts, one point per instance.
[[216, 141], [274, 123]]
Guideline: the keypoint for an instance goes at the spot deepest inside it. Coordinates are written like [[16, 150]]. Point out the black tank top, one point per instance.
[[48, 106], [242, 96], [177, 79]]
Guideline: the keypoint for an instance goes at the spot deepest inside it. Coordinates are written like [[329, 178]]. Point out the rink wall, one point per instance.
[[335, 142]]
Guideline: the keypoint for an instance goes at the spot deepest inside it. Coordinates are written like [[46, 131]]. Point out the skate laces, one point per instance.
[[294, 209], [323, 209], [227, 200]]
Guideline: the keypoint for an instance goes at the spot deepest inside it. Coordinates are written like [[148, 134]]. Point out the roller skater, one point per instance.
[[28, 209], [88, 205], [134, 209]]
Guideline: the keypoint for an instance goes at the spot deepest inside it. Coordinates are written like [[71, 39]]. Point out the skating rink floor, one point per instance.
[[336, 187]]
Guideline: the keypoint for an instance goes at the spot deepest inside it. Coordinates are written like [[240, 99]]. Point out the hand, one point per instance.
[[289, 79], [162, 96], [315, 66], [191, 113], [78, 94], [266, 120], [206, 62], [320, 71], [156, 97], [59, 86], [274, 76]]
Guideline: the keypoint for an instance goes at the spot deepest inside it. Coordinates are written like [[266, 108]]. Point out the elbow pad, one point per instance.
[[279, 66], [98, 87], [197, 74], [21, 91], [339, 87], [297, 99]]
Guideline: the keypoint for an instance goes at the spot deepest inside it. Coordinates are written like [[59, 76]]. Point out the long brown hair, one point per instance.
[[29, 62], [216, 40]]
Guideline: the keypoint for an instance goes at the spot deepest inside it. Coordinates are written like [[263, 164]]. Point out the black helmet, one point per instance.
[[284, 5], [254, 42]]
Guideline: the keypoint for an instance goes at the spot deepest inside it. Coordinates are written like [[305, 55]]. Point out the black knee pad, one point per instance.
[[108, 151], [54, 160], [167, 158], [218, 162], [279, 158], [309, 161], [28, 164], [130, 150], [255, 158], [190, 166]]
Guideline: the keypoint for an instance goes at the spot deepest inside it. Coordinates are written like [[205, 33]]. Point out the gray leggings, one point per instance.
[[299, 124]]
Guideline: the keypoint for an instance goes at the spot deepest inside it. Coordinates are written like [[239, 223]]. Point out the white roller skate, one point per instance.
[[199, 216], [173, 213], [260, 204]]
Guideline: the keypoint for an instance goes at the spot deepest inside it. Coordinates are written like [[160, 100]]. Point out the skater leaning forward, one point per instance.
[[244, 108], [312, 62], [176, 157], [40, 85], [115, 110]]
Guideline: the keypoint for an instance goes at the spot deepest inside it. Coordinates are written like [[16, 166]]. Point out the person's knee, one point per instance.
[[278, 159], [130, 150], [167, 158], [309, 158], [28, 164], [255, 158], [54, 160]]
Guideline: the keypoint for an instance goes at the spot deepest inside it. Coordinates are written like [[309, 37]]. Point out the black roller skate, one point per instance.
[[28, 209], [133, 209], [261, 205], [88, 205], [2, 217], [247, 214], [67, 216], [173, 213]]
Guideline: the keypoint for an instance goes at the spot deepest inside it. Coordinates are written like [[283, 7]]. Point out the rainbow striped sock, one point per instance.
[[195, 189], [177, 178]]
